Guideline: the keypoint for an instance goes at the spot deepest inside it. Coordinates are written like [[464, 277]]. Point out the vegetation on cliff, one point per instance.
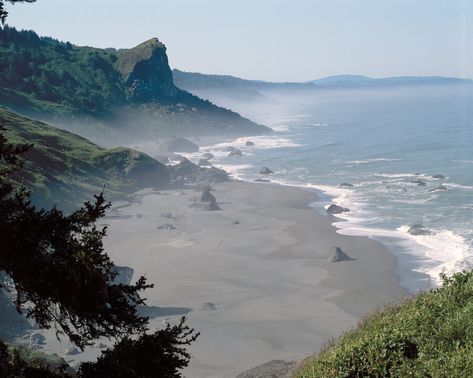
[[128, 90], [66, 169], [430, 335]]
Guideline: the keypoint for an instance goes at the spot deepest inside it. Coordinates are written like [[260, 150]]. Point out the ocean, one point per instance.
[[383, 141]]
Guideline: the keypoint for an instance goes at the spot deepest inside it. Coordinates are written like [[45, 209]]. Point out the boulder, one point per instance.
[[205, 206], [209, 306], [229, 149], [207, 196], [345, 185], [335, 209], [211, 175], [72, 350], [271, 369], [235, 153], [418, 229], [262, 180], [167, 227], [440, 177], [236, 221], [124, 275], [208, 156], [38, 339], [415, 180], [176, 144], [204, 163], [336, 254], [265, 171], [249, 143], [439, 188]]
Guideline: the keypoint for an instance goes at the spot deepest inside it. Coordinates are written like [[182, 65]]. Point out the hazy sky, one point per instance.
[[279, 40]]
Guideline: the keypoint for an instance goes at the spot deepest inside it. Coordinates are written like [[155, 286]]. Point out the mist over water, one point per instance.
[[382, 141]]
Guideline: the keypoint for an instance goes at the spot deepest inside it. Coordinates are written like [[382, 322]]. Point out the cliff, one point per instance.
[[105, 92]]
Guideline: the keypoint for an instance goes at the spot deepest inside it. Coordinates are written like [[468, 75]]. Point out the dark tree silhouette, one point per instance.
[[4, 13], [64, 279], [163, 352], [58, 266]]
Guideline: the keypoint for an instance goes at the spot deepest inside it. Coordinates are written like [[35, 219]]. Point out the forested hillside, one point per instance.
[[129, 90]]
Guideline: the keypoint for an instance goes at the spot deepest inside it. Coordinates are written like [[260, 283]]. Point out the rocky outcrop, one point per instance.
[[335, 209], [271, 369], [265, 171], [249, 143], [166, 227], [439, 177], [124, 275], [206, 196], [187, 171], [336, 254], [204, 163], [418, 229], [345, 185], [235, 153], [439, 189], [145, 69], [417, 181], [175, 144], [208, 155]]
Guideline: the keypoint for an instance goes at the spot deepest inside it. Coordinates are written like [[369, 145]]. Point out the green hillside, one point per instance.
[[66, 169], [430, 335], [128, 90]]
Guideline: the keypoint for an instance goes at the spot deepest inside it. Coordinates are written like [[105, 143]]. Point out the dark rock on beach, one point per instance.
[[439, 188], [346, 185], [336, 254], [209, 306], [204, 163], [176, 144], [208, 155], [235, 153], [249, 143], [72, 350], [417, 181], [124, 275], [229, 149], [207, 196], [167, 227], [335, 209], [262, 180], [265, 171], [271, 369], [187, 171], [418, 229], [440, 177]]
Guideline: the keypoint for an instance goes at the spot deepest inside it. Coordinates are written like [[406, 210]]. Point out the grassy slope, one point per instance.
[[430, 335], [67, 169]]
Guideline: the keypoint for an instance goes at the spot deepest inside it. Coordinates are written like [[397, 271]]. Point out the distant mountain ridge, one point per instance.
[[129, 91], [197, 81]]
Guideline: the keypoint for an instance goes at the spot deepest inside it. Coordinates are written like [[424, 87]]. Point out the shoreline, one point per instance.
[[270, 295]]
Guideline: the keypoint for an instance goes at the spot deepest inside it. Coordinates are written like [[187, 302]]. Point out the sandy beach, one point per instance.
[[254, 275]]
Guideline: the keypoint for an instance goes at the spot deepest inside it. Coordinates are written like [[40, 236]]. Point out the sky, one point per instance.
[[274, 40]]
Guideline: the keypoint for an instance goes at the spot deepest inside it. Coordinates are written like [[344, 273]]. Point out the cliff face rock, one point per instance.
[[146, 72]]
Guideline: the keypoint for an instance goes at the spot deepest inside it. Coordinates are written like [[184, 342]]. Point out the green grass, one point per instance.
[[65, 169], [429, 335]]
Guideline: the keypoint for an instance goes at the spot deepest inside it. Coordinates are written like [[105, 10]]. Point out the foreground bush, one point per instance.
[[430, 335]]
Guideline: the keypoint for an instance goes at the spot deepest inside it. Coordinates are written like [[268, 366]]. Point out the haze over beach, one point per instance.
[[294, 177]]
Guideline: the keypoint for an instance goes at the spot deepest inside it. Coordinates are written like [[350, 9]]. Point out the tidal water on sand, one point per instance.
[[407, 152]]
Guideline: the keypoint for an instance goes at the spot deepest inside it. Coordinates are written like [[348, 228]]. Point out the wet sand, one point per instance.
[[255, 274]]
